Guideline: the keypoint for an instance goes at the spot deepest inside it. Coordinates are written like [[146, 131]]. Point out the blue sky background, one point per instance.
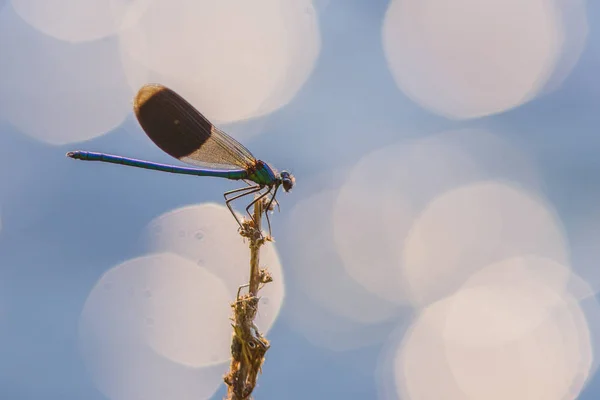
[[65, 223]]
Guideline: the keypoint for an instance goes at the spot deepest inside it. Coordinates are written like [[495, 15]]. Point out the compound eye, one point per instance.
[[287, 180]]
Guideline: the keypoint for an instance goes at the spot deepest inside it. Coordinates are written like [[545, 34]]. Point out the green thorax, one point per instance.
[[263, 174]]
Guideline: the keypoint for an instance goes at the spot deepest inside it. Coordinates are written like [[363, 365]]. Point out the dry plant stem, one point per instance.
[[255, 243], [248, 346]]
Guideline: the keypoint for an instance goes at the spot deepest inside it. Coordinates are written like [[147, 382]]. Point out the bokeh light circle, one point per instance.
[[317, 268], [207, 235], [573, 17], [58, 92], [324, 304], [387, 189], [467, 58], [80, 21], [154, 317], [542, 348], [233, 60], [476, 225]]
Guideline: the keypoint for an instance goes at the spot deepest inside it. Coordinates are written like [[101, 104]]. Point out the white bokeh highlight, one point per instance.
[[206, 235], [503, 287], [387, 190], [328, 307], [58, 92], [573, 18], [318, 269], [79, 21], [472, 226], [512, 331], [467, 58], [150, 324], [232, 60]]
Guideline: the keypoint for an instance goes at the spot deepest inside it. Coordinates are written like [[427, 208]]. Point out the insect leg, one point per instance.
[[269, 206], [273, 199], [245, 191], [258, 199]]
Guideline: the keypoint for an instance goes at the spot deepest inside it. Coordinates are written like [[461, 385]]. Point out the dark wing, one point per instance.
[[183, 132]]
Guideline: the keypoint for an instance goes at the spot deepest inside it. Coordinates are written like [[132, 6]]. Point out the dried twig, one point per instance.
[[248, 346]]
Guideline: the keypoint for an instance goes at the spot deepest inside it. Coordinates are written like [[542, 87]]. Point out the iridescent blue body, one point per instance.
[[263, 175], [183, 132]]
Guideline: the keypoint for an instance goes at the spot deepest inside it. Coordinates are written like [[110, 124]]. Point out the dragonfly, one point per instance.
[[181, 131]]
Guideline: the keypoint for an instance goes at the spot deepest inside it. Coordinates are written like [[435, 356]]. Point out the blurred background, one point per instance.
[[441, 241]]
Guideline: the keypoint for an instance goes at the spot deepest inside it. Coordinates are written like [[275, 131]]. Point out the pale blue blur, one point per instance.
[[65, 223]]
